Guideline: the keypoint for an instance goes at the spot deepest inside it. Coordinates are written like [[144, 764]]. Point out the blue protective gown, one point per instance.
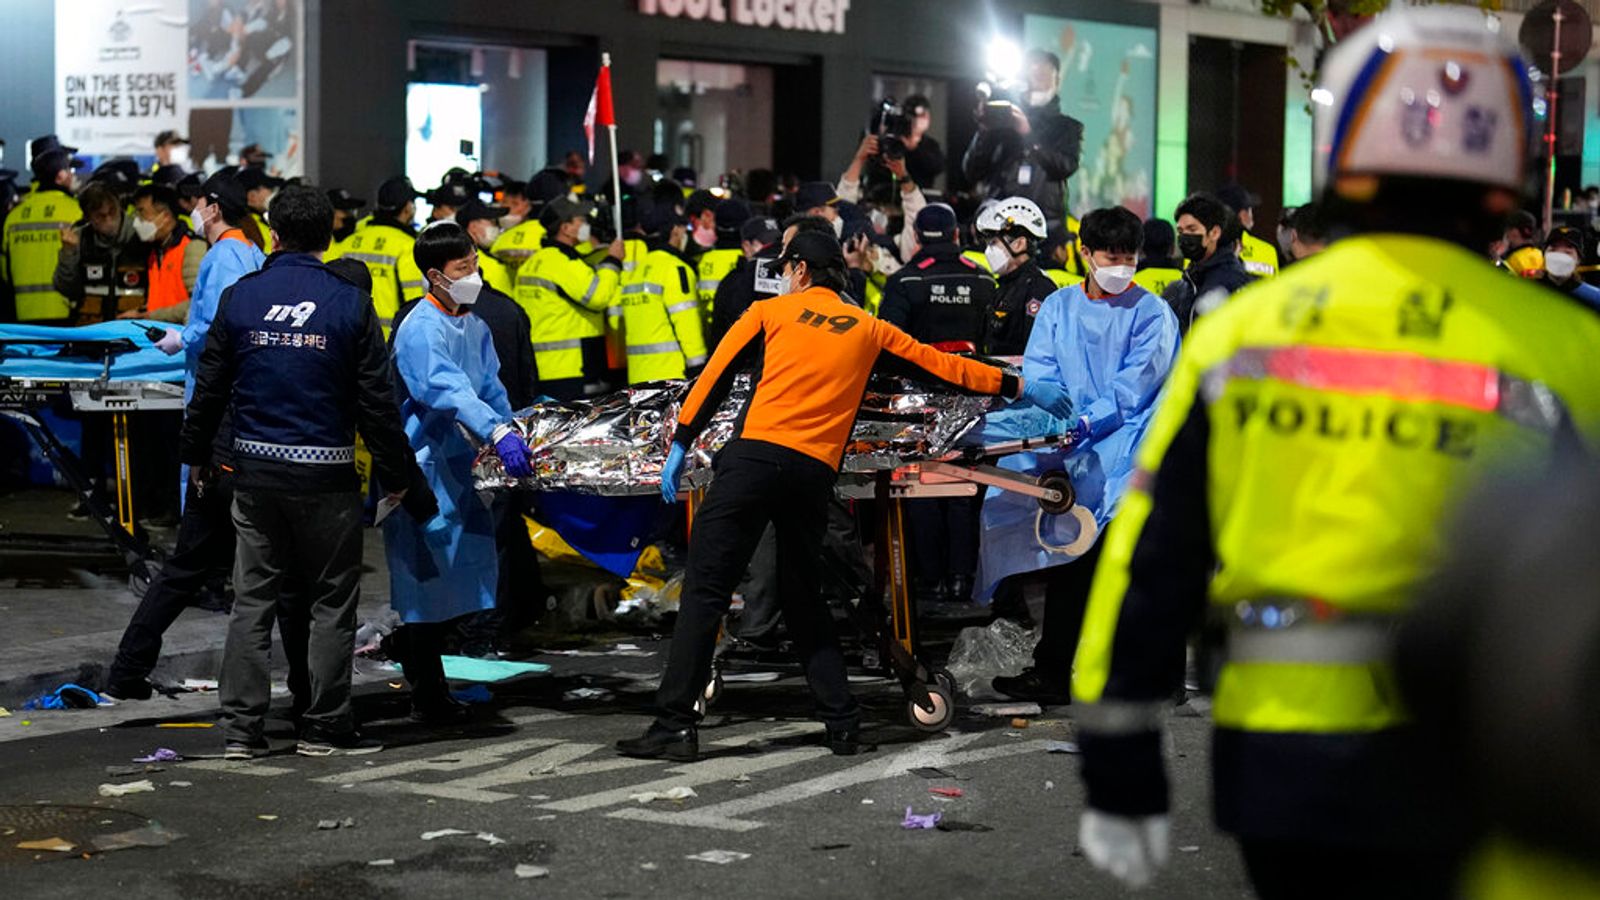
[[449, 380], [1112, 357], [226, 262]]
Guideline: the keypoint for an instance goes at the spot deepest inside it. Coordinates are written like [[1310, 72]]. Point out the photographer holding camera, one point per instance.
[[902, 130], [1031, 150]]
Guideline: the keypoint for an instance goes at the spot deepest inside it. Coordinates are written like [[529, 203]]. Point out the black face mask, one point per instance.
[[345, 230], [1192, 246]]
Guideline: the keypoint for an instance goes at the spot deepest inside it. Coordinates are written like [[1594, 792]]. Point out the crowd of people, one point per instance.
[[1230, 477]]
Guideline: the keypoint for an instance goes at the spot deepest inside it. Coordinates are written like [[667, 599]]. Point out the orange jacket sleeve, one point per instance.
[[737, 348], [940, 366]]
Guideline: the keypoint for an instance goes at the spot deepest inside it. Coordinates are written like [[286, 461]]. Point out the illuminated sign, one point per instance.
[[787, 15]]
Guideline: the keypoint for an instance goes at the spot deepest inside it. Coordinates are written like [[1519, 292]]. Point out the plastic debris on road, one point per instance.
[[335, 824], [443, 832], [186, 725], [267, 817], [152, 835], [587, 693], [527, 871], [1060, 747], [468, 668], [52, 845], [143, 786], [681, 792], [4, 713], [1189, 849], [979, 654], [750, 677], [68, 696], [200, 684], [720, 857], [160, 754], [380, 862], [1008, 710], [913, 821], [180, 784], [947, 792]]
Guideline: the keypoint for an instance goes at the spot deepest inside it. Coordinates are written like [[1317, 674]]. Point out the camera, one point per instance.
[[997, 107], [892, 126]]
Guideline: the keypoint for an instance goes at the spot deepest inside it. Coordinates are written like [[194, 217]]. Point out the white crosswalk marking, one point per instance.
[[709, 771], [726, 816], [472, 758], [552, 763]]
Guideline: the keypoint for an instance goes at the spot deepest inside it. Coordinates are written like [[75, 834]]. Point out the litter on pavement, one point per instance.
[[380, 862], [913, 821], [160, 754], [152, 835], [681, 792], [587, 693], [68, 696], [527, 871], [1060, 747], [334, 824], [720, 857], [4, 713], [467, 668], [186, 725], [750, 677], [142, 786], [1007, 710], [946, 792], [200, 684], [54, 845], [443, 832]]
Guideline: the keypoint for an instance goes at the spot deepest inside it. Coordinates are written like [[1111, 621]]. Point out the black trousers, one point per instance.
[[1323, 871], [204, 553], [944, 537], [1066, 598], [419, 647], [758, 483]]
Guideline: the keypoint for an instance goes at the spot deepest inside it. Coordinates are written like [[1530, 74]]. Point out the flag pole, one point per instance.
[[616, 173]]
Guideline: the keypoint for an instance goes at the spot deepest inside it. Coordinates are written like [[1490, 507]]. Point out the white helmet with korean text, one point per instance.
[[1429, 92]]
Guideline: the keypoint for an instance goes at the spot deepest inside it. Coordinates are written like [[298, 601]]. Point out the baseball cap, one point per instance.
[[732, 213], [46, 143], [252, 178], [813, 194], [761, 228], [189, 185], [546, 185], [254, 155], [451, 193], [475, 209], [121, 173], [47, 164], [170, 137], [700, 201], [341, 199], [815, 249], [660, 218], [1566, 234], [224, 190], [396, 193], [1237, 198], [936, 223], [560, 210]]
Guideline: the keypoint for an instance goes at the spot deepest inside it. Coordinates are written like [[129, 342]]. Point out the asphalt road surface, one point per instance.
[[533, 782]]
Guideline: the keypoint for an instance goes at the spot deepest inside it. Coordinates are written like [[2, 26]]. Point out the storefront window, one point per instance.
[[495, 98], [714, 118]]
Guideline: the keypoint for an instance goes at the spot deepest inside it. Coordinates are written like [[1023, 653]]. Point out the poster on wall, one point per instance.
[[226, 74], [1108, 82]]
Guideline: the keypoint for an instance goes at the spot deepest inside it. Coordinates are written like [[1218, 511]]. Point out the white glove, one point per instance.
[[1132, 850], [171, 342]]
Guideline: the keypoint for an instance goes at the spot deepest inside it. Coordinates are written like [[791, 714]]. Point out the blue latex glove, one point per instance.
[[513, 455], [672, 473], [1080, 430], [1050, 397]]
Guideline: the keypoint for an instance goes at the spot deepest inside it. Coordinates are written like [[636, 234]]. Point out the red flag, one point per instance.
[[600, 111]]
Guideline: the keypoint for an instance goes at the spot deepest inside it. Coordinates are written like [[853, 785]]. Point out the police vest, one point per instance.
[[661, 320], [495, 273], [32, 243], [518, 244], [715, 264], [1259, 257], [1063, 278], [266, 232], [634, 251], [566, 302], [385, 249], [1155, 280], [1351, 403]]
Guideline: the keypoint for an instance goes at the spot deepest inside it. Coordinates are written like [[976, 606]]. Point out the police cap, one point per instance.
[[936, 223], [396, 193]]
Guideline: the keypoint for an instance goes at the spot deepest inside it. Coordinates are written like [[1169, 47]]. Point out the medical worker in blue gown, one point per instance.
[[1110, 344], [448, 381]]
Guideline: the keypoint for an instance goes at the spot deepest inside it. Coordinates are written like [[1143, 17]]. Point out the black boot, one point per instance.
[[658, 742], [1033, 686], [846, 740]]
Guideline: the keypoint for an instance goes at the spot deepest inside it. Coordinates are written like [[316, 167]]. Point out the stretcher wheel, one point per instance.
[[1057, 481], [713, 690], [936, 719], [944, 679]]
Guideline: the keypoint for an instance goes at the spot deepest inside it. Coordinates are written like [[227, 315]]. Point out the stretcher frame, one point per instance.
[[886, 614]]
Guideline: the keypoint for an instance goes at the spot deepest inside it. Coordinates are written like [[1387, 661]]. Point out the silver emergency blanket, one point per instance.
[[617, 444]]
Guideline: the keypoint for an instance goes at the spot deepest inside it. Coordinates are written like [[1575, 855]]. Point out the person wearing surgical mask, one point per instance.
[[175, 255], [1563, 251], [172, 150], [1109, 344], [451, 402], [1028, 148]]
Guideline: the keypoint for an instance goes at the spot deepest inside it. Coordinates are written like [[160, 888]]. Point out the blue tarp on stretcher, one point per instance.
[[146, 363]]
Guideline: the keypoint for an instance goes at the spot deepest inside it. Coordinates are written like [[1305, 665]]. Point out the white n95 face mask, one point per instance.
[[1113, 279], [838, 229], [180, 155], [491, 233], [583, 233], [1560, 265], [465, 291], [997, 257], [145, 229]]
